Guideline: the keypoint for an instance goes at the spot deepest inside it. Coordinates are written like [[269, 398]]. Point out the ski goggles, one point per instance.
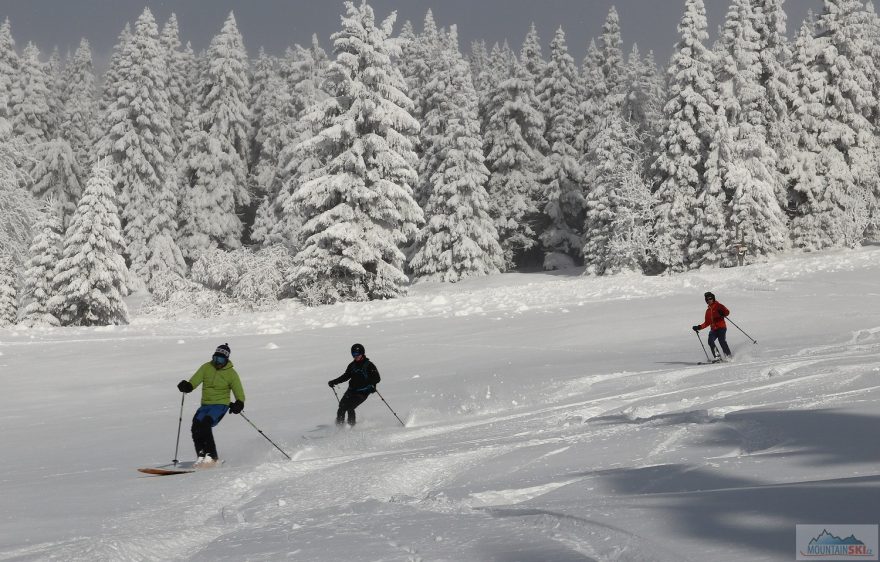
[[356, 353], [219, 360]]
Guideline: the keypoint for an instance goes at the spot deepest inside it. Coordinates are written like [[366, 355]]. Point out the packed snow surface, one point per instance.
[[549, 417]]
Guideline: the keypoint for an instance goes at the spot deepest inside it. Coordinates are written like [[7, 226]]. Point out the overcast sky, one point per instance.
[[276, 24]]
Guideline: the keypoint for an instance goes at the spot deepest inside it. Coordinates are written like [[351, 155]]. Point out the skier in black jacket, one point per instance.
[[362, 376]]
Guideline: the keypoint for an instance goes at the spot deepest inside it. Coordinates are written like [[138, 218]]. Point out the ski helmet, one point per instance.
[[708, 295], [357, 349]]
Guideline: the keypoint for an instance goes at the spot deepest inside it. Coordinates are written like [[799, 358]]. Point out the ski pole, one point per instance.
[[179, 423], [334, 394], [264, 435], [701, 345], [392, 411], [741, 330]]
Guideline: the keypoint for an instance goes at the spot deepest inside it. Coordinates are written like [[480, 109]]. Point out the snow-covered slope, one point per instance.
[[550, 417]]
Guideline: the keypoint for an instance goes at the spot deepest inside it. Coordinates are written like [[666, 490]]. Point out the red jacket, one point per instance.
[[715, 314]]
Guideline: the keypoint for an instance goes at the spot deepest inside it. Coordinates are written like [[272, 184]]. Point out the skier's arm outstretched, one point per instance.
[[341, 378]]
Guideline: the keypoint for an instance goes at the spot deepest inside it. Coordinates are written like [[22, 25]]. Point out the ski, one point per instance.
[[180, 468], [715, 362]]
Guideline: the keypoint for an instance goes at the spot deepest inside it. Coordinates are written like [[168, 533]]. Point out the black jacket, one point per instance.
[[362, 376]]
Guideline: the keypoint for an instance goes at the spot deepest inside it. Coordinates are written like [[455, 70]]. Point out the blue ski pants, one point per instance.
[[721, 336], [207, 416]]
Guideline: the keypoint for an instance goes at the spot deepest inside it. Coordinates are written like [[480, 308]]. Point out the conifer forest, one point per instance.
[[394, 155]]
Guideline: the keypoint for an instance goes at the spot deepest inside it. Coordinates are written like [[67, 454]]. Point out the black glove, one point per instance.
[[696, 328], [236, 407], [331, 384], [184, 386]]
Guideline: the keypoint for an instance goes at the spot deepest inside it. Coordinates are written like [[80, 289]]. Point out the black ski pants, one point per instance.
[[350, 401], [207, 416]]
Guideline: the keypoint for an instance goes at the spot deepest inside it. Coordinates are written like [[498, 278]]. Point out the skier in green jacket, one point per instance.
[[217, 377]]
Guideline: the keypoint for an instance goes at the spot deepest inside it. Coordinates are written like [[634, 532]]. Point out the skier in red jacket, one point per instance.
[[715, 313]]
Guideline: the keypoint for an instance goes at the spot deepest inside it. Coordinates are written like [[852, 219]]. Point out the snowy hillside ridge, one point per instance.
[[518, 292], [509, 293], [549, 417]]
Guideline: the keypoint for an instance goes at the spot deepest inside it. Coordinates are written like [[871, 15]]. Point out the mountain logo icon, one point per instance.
[[828, 545]]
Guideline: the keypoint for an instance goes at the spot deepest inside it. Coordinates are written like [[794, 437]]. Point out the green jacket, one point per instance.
[[217, 383]]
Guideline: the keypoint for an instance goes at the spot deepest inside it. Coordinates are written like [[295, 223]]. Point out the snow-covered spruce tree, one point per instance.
[[605, 134], [19, 210], [180, 81], [109, 86], [276, 132], [55, 176], [358, 206], [279, 217], [165, 256], [8, 292], [612, 166], [265, 68], [631, 246], [779, 86], [137, 144], [45, 252], [31, 114], [499, 67], [593, 91], [223, 96], [643, 95], [612, 54], [533, 62], [213, 164], [603, 82], [9, 65], [55, 81], [303, 68], [562, 178], [514, 146], [478, 60], [746, 164], [689, 127], [91, 277], [268, 84], [712, 232], [419, 56], [834, 174], [804, 165], [78, 113], [192, 65], [267, 88], [209, 172], [459, 239]]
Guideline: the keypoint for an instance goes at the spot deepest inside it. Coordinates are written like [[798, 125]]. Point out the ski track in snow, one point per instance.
[[411, 474], [436, 469]]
